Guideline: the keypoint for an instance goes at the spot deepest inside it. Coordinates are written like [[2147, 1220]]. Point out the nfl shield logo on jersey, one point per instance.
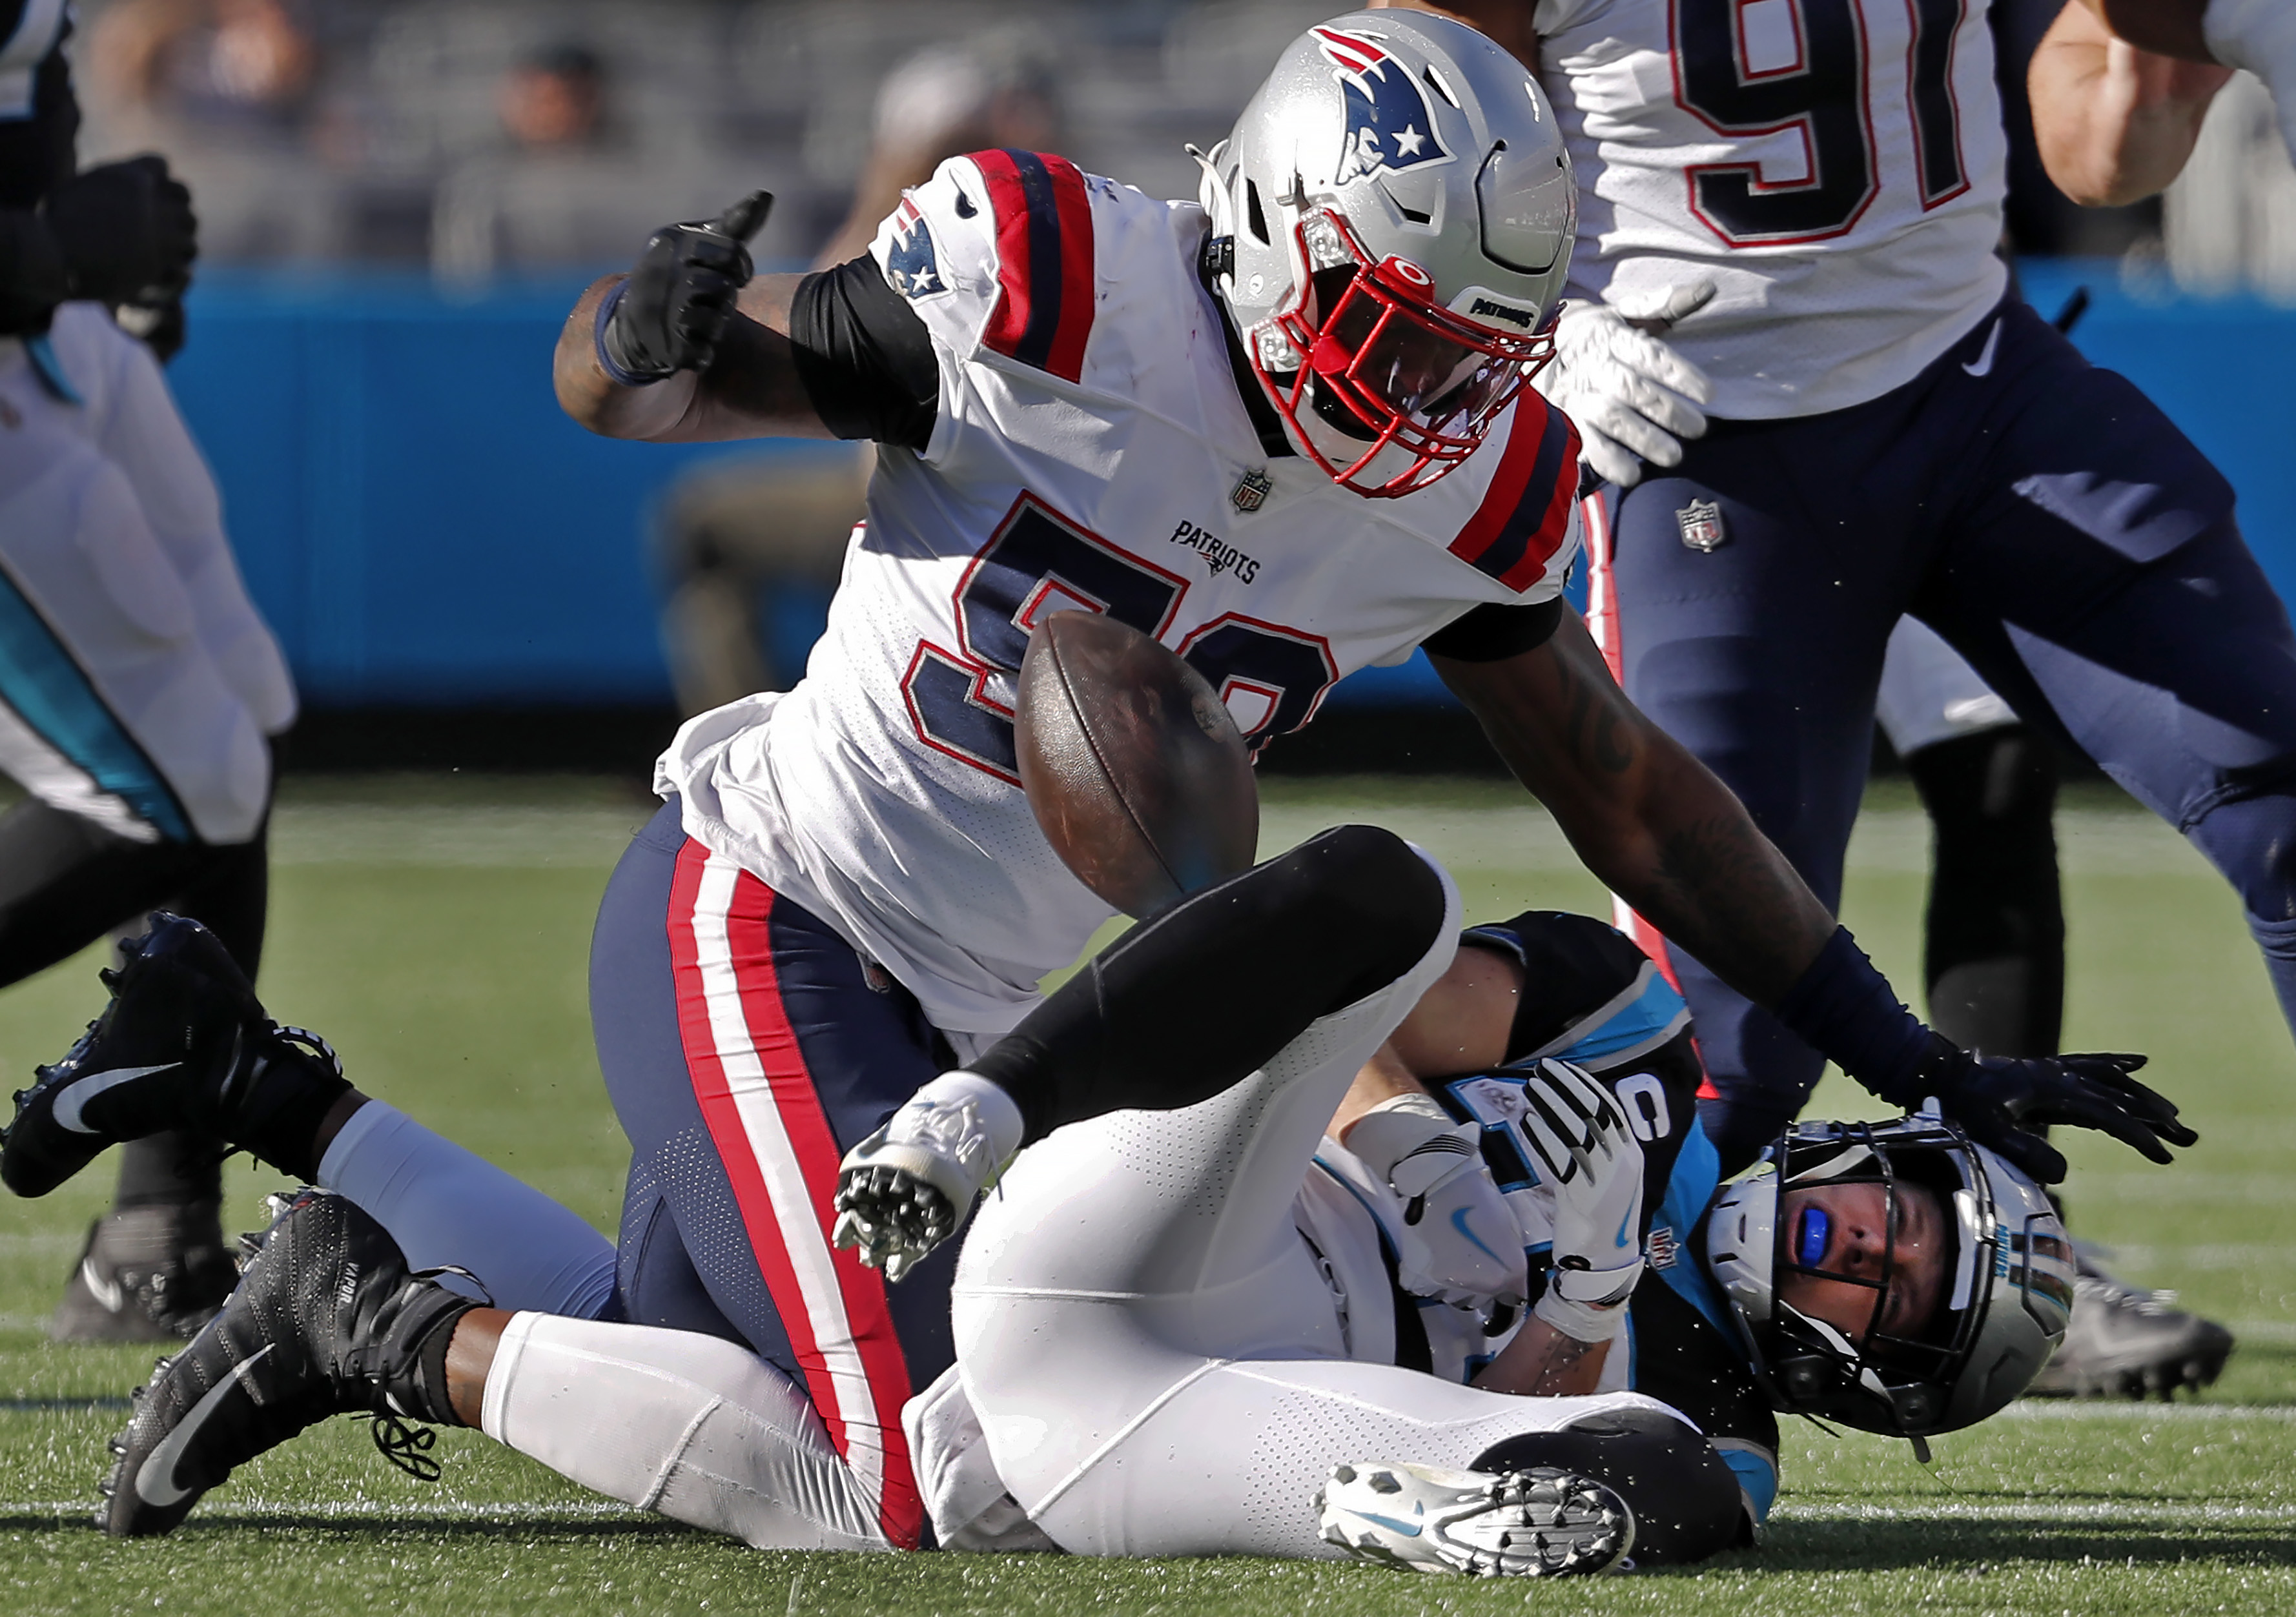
[[1700, 521], [1251, 490]]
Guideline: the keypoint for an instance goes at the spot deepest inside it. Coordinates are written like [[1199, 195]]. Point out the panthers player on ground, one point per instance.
[[1856, 1279], [1787, 303], [1212, 1280], [1288, 438]]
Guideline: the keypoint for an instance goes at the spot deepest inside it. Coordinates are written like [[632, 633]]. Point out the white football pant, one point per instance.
[[2260, 36], [1150, 1348], [1929, 694], [137, 683]]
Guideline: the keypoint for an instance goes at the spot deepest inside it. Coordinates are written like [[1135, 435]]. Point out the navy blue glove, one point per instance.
[[668, 316], [1999, 1100], [1846, 1010]]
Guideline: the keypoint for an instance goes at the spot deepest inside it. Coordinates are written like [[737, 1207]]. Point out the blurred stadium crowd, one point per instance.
[[487, 137]]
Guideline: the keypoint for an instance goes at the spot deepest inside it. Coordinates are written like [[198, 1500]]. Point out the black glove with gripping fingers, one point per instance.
[[1999, 1100], [127, 231], [668, 316]]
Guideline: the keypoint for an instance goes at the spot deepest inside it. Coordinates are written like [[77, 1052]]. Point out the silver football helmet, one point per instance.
[[1392, 219], [2006, 1298]]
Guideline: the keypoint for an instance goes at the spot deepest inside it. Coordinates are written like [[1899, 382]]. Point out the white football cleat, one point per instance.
[[1538, 1522], [906, 1188]]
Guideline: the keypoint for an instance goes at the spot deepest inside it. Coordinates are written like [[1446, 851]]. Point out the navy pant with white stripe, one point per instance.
[[2047, 520], [747, 1047]]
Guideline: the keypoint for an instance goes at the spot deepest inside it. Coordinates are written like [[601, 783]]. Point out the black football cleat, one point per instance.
[[184, 1044], [327, 1320], [154, 1272]]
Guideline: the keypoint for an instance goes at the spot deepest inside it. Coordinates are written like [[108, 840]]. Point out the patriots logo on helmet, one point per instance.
[[1389, 123], [911, 265]]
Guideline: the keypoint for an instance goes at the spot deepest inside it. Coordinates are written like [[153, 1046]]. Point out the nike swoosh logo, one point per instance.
[[1409, 1530], [1623, 1224], [1459, 1223], [1983, 365], [155, 1480], [74, 1096], [109, 1293]]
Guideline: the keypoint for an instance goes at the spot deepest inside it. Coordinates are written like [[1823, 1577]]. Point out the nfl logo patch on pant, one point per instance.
[[1701, 522]]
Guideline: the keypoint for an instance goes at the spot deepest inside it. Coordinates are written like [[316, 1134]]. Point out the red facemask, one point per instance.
[[1386, 366]]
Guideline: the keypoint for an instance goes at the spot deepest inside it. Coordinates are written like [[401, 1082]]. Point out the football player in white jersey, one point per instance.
[[1791, 358], [138, 685], [1289, 434]]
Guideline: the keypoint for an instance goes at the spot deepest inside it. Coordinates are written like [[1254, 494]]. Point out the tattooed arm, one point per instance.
[[1542, 1362], [1649, 818]]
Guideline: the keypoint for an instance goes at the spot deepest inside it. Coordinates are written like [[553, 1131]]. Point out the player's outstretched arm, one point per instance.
[[1672, 840], [690, 346], [1647, 816], [2116, 124]]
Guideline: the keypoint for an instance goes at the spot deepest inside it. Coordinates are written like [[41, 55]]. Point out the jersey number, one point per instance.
[[1037, 563], [1758, 67]]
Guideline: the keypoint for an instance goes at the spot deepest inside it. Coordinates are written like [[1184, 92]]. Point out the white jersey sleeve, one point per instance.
[[1835, 167]]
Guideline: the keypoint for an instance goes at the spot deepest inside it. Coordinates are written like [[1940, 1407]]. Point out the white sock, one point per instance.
[[694, 1427], [999, 1114], [445, 1205], [2260, 36]]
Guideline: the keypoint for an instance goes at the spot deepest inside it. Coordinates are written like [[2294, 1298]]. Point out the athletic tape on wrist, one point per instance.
[[614, 373], [1581, 1321]]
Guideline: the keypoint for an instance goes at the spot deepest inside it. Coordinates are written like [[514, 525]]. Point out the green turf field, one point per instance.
[[436, 930]]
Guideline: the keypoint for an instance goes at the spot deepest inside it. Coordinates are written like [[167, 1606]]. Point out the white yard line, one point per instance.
[[2133, 1513], [575, 1510], [511, 838], [2100, 1409], [1887, 841]]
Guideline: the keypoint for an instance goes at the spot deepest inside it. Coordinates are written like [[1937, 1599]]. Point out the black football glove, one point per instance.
[[1999, 1098], [674, 308], [159, 325], [127, 231]]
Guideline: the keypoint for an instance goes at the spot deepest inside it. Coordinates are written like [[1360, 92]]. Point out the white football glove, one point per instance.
[[2260, 36], [1632, 398], [1589, 1156], [1460, 1242]]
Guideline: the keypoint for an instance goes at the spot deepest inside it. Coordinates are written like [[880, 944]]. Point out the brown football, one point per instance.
[[1137, 773]]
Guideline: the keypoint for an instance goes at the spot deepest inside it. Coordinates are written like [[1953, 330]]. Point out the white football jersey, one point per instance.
[[139, 680], [1091, 451], [1835, 167]]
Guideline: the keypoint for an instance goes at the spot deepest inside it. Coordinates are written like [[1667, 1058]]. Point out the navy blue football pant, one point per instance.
[[746, 1047], [2043, 517]]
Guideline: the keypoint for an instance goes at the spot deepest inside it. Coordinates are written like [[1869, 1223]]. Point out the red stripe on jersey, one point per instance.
[[1603, 624], [759, 1102], [1525, 514], [1046, 289]]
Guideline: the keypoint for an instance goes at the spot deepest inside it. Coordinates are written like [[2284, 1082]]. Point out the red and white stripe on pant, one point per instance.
[[765, 1117]]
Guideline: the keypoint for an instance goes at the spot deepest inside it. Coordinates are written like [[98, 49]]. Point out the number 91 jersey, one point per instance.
[[1091, 450], [1836, 167]]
